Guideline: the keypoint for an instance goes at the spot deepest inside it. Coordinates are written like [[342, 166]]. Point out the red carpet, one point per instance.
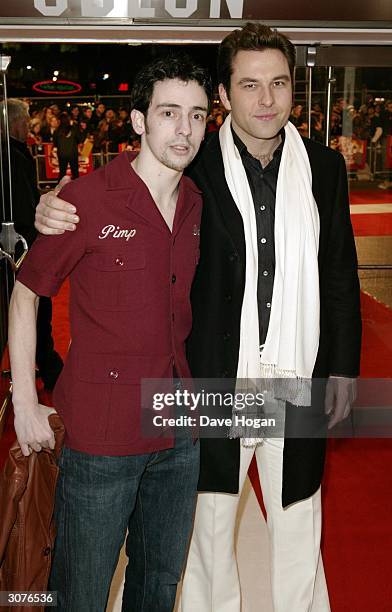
[[372, 224], [378, 224], [371, 196], [357, 541]]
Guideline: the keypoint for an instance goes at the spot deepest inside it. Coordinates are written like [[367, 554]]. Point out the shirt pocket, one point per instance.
[[118, 279], [109, 394]]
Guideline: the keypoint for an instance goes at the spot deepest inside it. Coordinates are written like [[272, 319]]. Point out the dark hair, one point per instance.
[[173, 66], [252, 37], [65, 123]]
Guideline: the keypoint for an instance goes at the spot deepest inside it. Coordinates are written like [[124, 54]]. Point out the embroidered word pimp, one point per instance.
[[114, 231]]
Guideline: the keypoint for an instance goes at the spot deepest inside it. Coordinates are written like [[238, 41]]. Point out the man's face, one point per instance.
[[101, 108], [109, 115], [175, 123], [260, 97]]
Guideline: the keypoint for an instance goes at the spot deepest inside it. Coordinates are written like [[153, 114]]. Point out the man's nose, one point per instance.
[[184, 126], [266, 97]]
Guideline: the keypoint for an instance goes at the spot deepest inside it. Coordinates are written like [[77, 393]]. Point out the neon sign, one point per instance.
[[57, 87]]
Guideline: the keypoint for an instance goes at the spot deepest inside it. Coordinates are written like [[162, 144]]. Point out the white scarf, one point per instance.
[[291, 345]]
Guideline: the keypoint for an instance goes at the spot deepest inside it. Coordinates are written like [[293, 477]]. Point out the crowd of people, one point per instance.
[[108, 130], [368, 122], [105, 127]]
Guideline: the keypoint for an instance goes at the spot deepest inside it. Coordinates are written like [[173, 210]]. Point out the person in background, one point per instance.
[[66, 141], [25, 197], [74, 114], [86, 122], [98, 114], [123, 114], [386, 142], [48, 131], [34, 137], [296, 116]]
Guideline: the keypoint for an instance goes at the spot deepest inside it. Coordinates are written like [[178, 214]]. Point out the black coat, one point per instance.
[[217, 295], [25, 194]]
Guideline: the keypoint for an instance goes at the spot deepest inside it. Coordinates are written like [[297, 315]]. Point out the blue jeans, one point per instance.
[[97, 499]]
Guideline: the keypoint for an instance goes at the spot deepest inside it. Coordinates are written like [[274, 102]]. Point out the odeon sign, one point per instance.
[[108, 11], [138, 8]]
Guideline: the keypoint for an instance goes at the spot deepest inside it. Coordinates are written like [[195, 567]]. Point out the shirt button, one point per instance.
[[113, 374], [47, 551], [262, 207], [268, 304], [263, 240], [174, 278], [119, 261], [226, 336], [265, 273]]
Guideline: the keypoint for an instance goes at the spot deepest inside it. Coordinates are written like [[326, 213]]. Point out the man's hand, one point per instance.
[[340, 394], [33, 430], [53, 215]]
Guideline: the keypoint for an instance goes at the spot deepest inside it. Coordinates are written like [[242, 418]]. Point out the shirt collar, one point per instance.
[[119, 174], [244, 151]]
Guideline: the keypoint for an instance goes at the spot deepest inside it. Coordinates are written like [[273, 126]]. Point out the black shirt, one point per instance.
[[262, 183]]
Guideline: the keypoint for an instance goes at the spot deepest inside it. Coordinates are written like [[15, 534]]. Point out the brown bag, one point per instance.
[[27, 530]]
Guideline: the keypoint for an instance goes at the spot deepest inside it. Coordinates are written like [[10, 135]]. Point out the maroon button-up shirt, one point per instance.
[[130, 312]]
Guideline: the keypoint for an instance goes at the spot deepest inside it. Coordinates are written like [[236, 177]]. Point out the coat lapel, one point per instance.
[[212, 175]]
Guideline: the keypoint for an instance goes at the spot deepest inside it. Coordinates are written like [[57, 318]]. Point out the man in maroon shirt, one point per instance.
[[131, 265]]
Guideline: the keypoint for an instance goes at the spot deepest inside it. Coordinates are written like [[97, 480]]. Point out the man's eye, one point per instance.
[[250, 85], [279, 83], [168, 113], [198, 117]]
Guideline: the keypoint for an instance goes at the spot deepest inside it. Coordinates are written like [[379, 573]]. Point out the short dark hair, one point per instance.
[[173, 66], [252, 37]]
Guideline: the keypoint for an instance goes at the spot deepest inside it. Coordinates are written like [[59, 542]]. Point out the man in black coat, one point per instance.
[[255, 68], [25, 196], [255, 74]]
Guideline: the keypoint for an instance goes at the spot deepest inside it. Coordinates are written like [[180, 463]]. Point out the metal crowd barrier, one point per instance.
[[99, 159]]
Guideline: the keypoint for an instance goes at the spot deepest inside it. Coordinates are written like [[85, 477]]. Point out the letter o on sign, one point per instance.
[[181, 13], [51, 11]]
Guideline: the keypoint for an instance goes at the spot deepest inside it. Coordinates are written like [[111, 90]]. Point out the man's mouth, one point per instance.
[[266, 117], [180, 148]]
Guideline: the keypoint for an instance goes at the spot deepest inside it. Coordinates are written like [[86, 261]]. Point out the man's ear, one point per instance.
[[224, 97], [138, 122]]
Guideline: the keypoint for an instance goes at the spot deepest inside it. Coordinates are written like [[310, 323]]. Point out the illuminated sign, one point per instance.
[[57, 87], [333, 10]]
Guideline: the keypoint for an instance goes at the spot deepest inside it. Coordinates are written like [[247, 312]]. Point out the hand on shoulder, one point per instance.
[[54, 215]]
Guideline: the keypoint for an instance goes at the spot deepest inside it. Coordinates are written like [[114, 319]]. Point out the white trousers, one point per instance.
[[211, 581]]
